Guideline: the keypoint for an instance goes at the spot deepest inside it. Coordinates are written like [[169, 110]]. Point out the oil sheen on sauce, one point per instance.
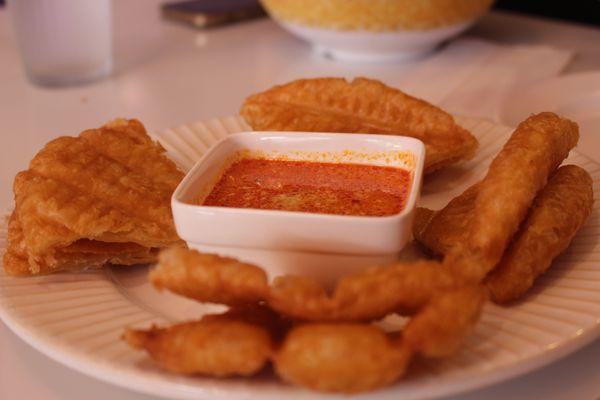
[[314, 187]]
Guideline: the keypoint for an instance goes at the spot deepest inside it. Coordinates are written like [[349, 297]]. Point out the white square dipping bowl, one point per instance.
[[323, 246]]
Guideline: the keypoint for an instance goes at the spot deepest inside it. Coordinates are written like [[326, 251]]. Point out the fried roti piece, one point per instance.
[[84, 201], [557, 214], [214, 346], [363, 296], [345, 358], [360, 106], [516, 175]]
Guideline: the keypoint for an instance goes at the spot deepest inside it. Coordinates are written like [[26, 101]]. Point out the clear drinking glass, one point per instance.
[[63, 42]]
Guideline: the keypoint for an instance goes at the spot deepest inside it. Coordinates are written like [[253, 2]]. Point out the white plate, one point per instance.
[[77, 318], [576, 96]]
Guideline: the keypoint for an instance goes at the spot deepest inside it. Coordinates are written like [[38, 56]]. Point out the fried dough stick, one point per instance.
[[360, 106], [557, 213], [516, 175], [367, 295]]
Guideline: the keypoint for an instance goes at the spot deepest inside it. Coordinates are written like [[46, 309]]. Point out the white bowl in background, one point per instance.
[[323, 246], [374, 31], [365, 46]]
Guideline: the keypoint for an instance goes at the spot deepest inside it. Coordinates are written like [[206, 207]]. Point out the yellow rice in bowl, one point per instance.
[[377, 15]]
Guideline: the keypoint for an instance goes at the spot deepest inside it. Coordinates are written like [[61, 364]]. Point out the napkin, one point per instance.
[[473, 77]]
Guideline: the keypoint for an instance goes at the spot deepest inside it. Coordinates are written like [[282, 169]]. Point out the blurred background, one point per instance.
[[585, 11]]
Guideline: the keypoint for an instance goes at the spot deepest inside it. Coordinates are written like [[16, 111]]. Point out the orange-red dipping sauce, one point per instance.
[[315, 187]]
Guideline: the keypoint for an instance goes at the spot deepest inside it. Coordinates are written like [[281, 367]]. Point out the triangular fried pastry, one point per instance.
[[360, 106], [101, 197]]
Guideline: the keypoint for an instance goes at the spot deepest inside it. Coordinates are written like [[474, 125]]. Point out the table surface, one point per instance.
[[167, 74]]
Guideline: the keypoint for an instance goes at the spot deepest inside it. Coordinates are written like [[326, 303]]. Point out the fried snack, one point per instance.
[[217, 347], [370, 294], [82, 254], [556, 215], [360, 106], [443, 230], [344, 358], [85, 201], [516, 175], [259, 315], [209, 278], [367, 295], [439, 329]]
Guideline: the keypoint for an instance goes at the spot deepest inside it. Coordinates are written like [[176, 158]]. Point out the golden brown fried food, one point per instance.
[[81, 254], [443, 230], [360, 106], [259, 315], [209, 278], [444, 299], [84, 201], [558, 212], [216, 347], [439, 329], [516, 175], [344, 358], [367, 295]]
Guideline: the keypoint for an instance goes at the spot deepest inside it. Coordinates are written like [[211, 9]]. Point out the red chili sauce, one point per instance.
[[315, 187]]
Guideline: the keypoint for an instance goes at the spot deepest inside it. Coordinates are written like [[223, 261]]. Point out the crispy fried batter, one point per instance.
[[209, 278], [439, 329], [85, 201], [516, 175], [360, 106], [556, 215], [447, 228], [260, 315], [444, 299], [366, 295], [362, 296], [217, 347], [341, 357]]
